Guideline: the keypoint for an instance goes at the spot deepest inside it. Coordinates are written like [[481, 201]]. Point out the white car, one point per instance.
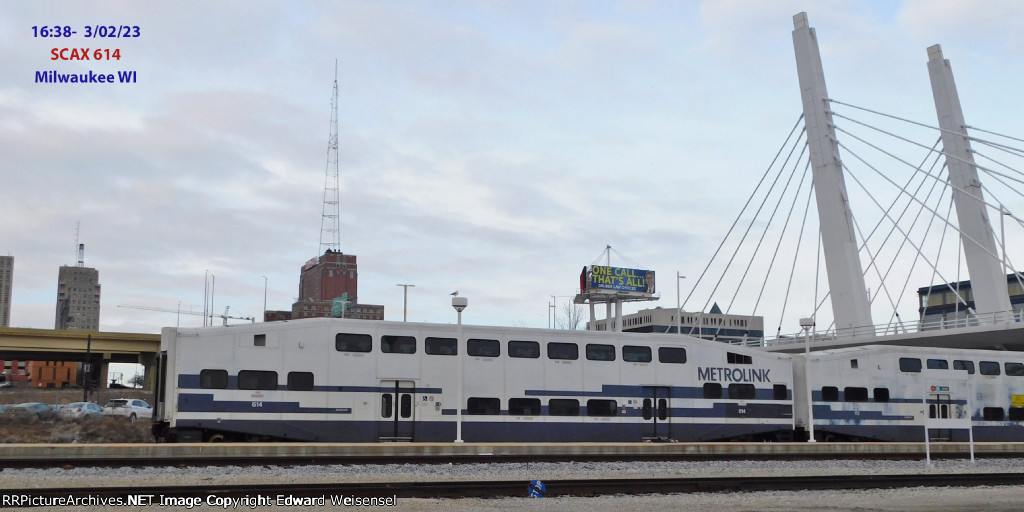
[[131, 408], [80, 411]]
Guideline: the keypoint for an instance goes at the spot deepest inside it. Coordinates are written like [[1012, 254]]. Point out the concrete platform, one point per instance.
[[55, 454]]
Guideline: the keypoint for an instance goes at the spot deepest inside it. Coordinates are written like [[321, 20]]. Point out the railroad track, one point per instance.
[[333, 493]]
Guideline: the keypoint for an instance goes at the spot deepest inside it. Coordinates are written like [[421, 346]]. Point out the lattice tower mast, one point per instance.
[[330, 232]]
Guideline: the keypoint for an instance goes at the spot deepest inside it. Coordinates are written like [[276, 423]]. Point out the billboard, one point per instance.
[[616, 279]]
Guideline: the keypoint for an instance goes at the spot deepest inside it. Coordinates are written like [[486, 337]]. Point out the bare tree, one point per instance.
[[572, 316], [137, 381]]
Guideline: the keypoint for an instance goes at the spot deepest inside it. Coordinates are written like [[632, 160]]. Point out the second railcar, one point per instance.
[[345, 380]]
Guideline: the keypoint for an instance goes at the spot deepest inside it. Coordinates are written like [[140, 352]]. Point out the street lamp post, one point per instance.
[[459, 303], [264, 298], [806, 324], [405, 300], [679, 305]]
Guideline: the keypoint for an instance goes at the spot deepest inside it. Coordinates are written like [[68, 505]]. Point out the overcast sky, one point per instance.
[[493, 148]]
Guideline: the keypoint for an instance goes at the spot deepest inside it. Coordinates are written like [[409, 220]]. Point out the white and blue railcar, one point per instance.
[[892, 393], [342, 380]]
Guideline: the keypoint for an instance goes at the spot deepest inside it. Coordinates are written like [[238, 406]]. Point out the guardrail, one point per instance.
[[1002, 319]]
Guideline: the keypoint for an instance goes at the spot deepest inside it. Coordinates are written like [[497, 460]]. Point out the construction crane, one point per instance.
[[179, 311]]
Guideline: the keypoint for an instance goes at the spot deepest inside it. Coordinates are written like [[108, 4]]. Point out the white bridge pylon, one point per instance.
[[850, 299]]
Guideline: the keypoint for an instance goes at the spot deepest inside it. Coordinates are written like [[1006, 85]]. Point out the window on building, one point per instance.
[[441, 346], [636, 354], [483, 406], [563, 407], [397, 344], [569, 351], [524, 406], [675, 355], [344, 342], [483, 348], [598, 407], [599, 352], [524, 349]]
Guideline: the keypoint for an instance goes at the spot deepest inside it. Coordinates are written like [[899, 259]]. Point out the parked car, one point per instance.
[[81, 411], [131, 408], [39, 410]]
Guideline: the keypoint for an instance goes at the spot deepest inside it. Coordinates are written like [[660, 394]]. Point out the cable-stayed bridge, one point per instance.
[[934, 203]]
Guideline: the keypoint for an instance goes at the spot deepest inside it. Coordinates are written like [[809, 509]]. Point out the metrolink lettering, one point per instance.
[[53, 77], [733, 374]]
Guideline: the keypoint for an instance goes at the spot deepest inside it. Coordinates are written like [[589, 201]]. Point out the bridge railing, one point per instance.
[[1002, 318]]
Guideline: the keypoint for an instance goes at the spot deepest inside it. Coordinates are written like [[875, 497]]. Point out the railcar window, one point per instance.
[[938, 364], [259, 340], [257, 379], [1016, 414], [636, 354], [213, 379], [964, 365], [344, 342], [483, 348], [397, 344], [993, 413], [525, 349], [647, 410], [988, 368], [881, 394], [441, 346], [563, 351], [734, 358], [780, 392], [712, 390], [386, 405], [742, 392], [599, 407], [675, 355], [524, 406], [1014, 369], [662, 408], [855, 394], [300, 381], [830, 394], [910, 364], [563, 407], [483, 406], [600, 352], [406, 405]]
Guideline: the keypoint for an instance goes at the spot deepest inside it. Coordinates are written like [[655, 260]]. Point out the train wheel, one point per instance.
[[216, 438]]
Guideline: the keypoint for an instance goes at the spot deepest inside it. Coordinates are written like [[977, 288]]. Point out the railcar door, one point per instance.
[[396, 420], [655, 413], [939, 407]]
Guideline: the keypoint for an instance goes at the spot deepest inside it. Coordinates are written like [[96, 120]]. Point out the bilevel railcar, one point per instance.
[[890, 393], [343, 380]]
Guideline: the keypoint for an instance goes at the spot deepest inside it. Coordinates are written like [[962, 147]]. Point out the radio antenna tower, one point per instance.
[[330, 233]]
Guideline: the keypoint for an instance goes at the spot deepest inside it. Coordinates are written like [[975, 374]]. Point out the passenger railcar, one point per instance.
[[890, 393], [346, 380]]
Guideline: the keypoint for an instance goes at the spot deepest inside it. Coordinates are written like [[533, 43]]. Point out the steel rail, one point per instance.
[[513, 488]]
